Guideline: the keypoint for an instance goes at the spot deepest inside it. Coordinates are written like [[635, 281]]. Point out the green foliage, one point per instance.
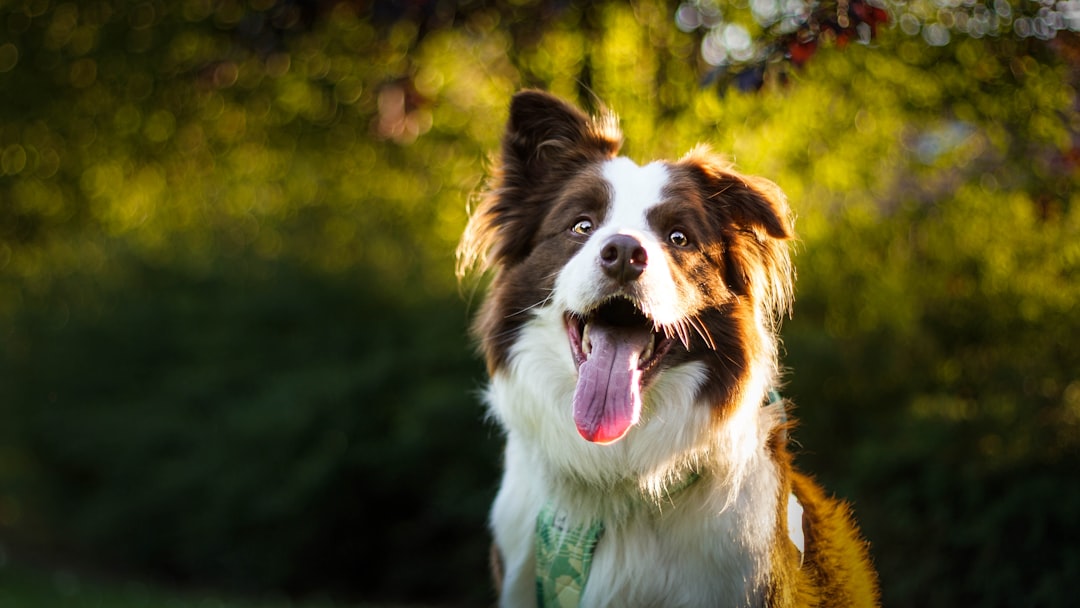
[[232, 351], [264, 433], [951, 377], [166, 130]]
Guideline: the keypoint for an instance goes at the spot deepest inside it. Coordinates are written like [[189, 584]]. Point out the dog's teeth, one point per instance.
[[648, 352], [586, 343]]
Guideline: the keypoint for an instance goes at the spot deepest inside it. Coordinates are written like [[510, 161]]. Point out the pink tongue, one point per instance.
[[607, 400]]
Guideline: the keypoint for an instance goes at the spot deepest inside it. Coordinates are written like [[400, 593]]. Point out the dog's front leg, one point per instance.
[[518, 584], [513, 522]]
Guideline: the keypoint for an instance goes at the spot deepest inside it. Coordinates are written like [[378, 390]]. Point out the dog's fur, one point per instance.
[[689, 261]]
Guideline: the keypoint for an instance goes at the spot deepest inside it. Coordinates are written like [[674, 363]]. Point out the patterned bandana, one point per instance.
[[563, 556], [564, 552]]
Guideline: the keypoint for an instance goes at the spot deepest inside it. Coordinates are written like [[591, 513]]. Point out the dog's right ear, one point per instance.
[[544, 133], [546, 141]]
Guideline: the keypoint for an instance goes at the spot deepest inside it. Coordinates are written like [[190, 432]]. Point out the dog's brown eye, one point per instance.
[[583, 227], [678, 239]]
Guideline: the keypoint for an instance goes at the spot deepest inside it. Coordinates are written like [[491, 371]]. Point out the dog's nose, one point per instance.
[[623, 258]]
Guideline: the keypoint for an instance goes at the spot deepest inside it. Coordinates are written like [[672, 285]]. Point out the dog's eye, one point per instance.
[[583, 227], [678, 238]]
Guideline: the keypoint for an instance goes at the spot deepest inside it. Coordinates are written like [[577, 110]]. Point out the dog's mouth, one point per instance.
[[617, 349]]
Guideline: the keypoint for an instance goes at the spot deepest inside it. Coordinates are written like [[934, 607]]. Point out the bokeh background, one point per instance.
[[234, 356]]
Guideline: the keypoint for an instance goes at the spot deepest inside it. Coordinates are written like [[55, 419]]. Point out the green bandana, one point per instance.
[[564, 552], [563, 557]]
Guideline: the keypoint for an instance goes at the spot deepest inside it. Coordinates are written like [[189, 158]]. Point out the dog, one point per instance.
[[630, 335]]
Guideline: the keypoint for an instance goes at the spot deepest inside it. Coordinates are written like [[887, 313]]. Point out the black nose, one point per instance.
[[623, 258]]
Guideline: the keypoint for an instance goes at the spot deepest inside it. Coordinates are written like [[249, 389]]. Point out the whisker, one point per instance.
[[547, 298], [726, 356], [684, 333], [703, 331]]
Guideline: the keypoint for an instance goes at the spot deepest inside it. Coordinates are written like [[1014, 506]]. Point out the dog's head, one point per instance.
[[649, 267]]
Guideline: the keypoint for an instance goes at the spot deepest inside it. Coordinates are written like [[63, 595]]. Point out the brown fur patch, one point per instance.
[[547, 145], [835, 568]]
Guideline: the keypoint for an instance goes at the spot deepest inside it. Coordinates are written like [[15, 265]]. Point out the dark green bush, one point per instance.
[[954, 427], [262, 433]]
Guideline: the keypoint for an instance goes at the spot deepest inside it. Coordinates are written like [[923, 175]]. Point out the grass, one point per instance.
[[34, 588]]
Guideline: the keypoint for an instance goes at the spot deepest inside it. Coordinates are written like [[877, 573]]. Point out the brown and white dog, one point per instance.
[[630, 336]]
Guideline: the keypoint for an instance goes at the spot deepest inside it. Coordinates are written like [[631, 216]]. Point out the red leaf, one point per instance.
[[800, 52]]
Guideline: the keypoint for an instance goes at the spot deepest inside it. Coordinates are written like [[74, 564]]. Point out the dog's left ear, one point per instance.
[[754, 217], [760, 203], [751, 202]]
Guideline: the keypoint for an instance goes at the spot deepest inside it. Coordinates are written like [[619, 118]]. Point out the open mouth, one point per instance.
[[616, 348]]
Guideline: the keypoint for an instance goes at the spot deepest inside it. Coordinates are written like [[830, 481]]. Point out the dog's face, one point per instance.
[[648, 267]]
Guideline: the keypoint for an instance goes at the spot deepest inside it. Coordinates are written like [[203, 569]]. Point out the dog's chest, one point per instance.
[[680, 558]]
